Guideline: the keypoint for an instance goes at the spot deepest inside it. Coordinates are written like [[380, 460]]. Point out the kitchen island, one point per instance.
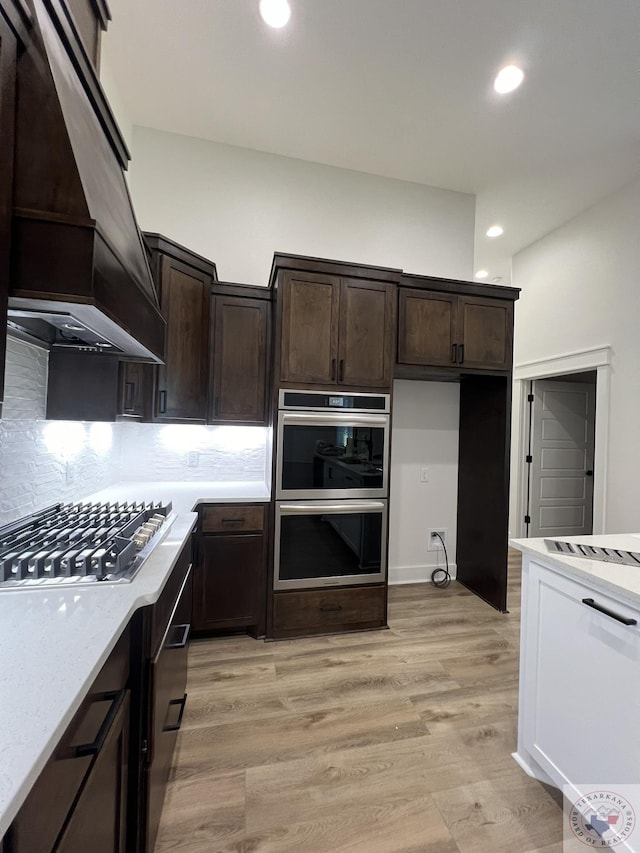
[[579, 665]]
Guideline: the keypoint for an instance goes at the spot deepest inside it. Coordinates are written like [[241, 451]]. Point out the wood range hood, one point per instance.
[[77, 251]]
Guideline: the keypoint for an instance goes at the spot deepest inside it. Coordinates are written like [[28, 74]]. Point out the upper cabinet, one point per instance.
[[239, 338], [184, 283], [8, 47], [336, 329], [455, 327], [91, 18]]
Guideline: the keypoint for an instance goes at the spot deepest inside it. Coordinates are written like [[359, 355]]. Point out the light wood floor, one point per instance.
[[378, 742]]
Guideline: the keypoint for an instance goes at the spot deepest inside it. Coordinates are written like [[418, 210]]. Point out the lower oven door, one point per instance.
[[329, 543]]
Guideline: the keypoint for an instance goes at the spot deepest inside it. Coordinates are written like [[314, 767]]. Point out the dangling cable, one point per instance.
[[441, 577]]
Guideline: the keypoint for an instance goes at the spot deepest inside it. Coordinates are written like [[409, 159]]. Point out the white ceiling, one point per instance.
[[403, 88]]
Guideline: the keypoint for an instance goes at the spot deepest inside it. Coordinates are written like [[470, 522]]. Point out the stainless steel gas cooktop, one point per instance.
[[81, 543]]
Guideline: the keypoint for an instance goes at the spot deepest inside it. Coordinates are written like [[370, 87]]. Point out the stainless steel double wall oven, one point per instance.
[[332, 481]]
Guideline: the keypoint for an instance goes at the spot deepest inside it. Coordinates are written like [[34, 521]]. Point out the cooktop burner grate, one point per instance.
[[80, 541]]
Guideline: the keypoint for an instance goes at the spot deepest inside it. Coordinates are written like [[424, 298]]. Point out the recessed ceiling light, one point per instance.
[[73, 328], [495, 231], [276, 13], [103, 344], [482, 274], [508, 79]]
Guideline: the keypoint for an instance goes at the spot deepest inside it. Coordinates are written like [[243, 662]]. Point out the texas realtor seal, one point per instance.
[[602, 819]]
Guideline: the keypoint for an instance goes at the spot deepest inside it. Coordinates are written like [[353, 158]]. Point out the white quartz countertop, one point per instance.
[[184, 496], [54, 642], [623, 581]]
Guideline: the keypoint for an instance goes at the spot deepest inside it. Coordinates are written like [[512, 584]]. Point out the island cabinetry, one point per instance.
[[336, 330], [579, 685], [183, 280], [230, 575], [239, 354], [455, 328], [79, 801]]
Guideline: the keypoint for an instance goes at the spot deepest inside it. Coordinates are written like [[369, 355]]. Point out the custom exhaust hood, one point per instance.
[[78, 259]]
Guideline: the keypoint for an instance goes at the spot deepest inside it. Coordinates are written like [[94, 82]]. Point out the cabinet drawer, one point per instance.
[[46, 808], [233, 519], [319, 611], [163, 608]]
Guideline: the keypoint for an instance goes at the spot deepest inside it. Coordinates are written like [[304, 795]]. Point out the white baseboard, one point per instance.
[[415, 574]]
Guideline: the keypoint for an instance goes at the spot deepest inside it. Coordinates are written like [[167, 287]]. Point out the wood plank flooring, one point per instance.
[[393, 741]]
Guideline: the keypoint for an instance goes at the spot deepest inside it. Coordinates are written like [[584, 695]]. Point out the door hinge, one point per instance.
[[527, 519], [529, 459], [530, 398], [145, 747]]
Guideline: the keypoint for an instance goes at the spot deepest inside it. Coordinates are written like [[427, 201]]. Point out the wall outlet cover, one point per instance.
[[434, 544]]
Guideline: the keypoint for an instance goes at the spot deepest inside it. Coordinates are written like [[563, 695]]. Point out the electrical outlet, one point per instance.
[[424, 474], [193, 459], [434, 543]]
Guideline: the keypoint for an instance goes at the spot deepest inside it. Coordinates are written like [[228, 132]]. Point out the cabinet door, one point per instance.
[[426, 328], [134, 390], [310, 329], [228, 582], [485, 331], [182, 380], [98, 821], [239, 359], [579, 718], [8, 46], [367, 333]]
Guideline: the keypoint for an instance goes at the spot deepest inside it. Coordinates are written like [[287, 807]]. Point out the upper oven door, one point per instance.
[[332, 455]]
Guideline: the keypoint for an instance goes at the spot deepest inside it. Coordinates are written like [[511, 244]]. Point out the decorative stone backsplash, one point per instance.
[[42, 462]]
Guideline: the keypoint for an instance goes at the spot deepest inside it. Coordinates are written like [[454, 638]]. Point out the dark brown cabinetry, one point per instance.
[[455, 329], [79, 801], [8, 49], [230, 573], [183, 280], [135, 391], [240, 327], [91, 18], [159, 676], [335, 330], [327, 611]]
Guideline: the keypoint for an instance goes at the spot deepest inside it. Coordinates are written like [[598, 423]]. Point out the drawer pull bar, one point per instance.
[[330, 608], [176, 726], [233, 520], [624, 619], [185, 637], [116, 697]]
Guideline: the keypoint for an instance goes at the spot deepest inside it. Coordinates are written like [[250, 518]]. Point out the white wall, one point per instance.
[[581, 289], [425, 432], [237, 207]]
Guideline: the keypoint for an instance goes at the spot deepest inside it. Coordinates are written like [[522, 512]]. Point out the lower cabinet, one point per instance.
[[162, 679], [79, 801], [230, 573], [579, 688], [329, 611]]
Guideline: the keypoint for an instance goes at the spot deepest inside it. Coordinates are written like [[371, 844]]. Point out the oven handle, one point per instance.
[[344, 507], [339, 418]]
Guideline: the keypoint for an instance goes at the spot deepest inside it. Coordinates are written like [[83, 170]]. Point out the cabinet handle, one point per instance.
[[116, 697], [176, 726], [233, 520], [454, 353], [341, 373], [163, 402], [330, 608], [129, 396], [461, 354], [185, 636], [333, 369], [624, 619]]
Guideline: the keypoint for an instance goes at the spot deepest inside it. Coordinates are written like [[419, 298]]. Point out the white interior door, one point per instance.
[[561, 469]]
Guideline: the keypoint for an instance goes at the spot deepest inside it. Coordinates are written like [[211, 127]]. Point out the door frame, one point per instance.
[[596, 358]]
